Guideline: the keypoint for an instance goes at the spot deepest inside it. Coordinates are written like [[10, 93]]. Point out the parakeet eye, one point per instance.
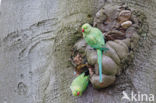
[[85, 27]]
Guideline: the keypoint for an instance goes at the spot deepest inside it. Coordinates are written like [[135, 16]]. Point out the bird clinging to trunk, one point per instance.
[[95, 38]]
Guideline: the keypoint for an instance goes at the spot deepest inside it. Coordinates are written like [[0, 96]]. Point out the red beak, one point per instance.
[[78, 93], [82, 30]]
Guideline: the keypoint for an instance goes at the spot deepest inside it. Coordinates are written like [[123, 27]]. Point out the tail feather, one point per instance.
[[99, 53]]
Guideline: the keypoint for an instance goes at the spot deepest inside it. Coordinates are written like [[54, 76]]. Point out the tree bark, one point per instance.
[[35, 46]]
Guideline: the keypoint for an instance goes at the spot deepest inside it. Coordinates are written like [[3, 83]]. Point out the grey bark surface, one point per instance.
[[35, 46]]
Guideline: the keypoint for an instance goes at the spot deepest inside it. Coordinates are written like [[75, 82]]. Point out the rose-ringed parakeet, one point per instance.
[[80, 84], [95, 38]]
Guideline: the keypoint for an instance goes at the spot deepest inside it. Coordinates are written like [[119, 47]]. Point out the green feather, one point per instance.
[[79, 84], [95, 38], [99, 53]]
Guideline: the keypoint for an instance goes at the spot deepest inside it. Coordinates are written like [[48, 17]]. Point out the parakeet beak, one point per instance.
[[82, 30], [78, 93]]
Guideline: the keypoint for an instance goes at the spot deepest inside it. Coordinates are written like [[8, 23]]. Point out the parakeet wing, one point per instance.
[[95, 38]]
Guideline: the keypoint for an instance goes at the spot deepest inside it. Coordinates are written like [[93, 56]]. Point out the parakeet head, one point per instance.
[[76, 91], [86, 28]]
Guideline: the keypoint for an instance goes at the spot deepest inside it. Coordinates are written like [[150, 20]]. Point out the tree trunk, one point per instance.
[[35, 46]]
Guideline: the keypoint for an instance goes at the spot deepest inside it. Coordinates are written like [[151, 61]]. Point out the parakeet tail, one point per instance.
[[99, 53]]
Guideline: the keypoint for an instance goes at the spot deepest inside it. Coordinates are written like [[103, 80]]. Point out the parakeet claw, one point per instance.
[[105, 49]]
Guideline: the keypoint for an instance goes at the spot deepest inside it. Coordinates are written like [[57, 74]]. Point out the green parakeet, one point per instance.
[[95, 38], [79, 84]]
